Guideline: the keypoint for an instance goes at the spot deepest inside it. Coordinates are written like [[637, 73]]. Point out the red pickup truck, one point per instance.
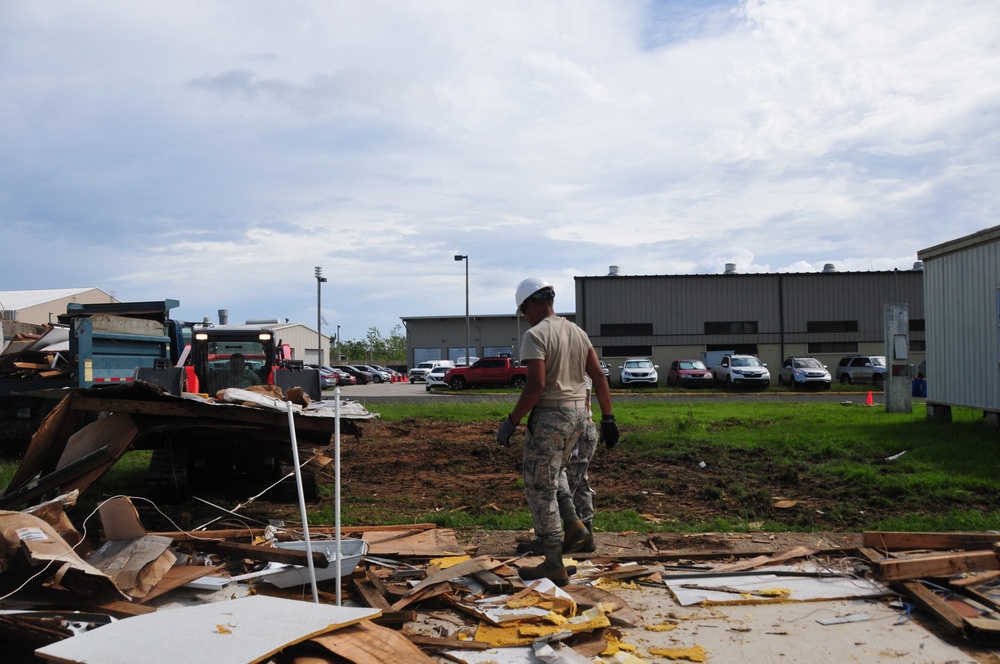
[[492, 371]]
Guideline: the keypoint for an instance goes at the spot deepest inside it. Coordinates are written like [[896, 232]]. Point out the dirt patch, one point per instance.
[[418, 467]]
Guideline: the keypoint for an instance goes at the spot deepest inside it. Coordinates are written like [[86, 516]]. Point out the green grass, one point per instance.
[[945, 475]]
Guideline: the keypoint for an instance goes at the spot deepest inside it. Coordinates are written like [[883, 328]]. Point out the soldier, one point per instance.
[[559, 357]]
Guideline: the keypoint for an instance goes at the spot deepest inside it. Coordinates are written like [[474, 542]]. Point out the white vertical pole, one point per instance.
[[336, 482], [302, 503]]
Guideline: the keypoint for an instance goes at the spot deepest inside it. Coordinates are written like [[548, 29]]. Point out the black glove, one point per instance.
[[609, 431], [505, 431]]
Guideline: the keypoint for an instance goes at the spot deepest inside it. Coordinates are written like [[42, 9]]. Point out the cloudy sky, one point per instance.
[[216, 152]]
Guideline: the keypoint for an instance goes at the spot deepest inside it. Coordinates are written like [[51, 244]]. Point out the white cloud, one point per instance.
[[215, 152]]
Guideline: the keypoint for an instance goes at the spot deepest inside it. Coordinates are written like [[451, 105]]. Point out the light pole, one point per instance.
[[319, 316], [460, 257], [338, 344]]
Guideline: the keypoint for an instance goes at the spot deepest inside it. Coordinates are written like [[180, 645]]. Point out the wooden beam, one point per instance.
[[898, 541], [934, 565], [926, 598]]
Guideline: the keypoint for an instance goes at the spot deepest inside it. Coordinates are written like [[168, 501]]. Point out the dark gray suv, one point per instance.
[[861, 369]]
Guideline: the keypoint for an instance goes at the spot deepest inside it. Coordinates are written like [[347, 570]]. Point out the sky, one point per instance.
[[217, 152]]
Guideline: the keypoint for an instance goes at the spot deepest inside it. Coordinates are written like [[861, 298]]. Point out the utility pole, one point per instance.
[[459, 257], [319, 316]]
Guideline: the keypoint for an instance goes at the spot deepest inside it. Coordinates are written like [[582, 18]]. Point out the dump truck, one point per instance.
[[111, 345]]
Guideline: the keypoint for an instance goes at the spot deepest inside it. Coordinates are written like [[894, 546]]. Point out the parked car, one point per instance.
[[393, 374], [639, 371], [418, 372], [689, 373], [435, 378], [378, 375], [802, 372], [606, 368], [344, 378], [363, 377], [741, 371], [861, 369]]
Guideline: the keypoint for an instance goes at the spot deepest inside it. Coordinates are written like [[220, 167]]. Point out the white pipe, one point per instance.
[[336, 482], [302, 503]]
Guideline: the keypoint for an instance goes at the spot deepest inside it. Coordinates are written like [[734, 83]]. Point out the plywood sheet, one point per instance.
[[239, 631], [430, 543]]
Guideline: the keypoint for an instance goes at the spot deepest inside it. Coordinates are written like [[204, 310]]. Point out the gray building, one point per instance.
[[444, 337], [826, 315], [962, 293]]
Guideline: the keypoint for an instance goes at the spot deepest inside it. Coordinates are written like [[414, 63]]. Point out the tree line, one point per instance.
[[374, 348]]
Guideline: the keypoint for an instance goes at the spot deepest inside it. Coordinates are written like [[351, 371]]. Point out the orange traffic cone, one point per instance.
[[870, 402]]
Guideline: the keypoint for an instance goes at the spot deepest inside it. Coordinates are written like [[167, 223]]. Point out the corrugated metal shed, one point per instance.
[[962, 278]]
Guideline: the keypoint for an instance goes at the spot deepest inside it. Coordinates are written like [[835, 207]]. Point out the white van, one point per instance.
[[418, 372]]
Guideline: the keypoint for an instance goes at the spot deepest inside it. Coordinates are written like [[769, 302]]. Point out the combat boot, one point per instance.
[[531, 546], [588, 545], [576, 537], [551, 568]]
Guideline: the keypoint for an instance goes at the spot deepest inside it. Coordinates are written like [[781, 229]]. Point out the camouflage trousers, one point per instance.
[[553, 434], [577, 476]]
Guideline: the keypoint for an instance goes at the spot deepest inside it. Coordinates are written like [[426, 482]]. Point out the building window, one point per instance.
[[916, 325], [626, 329], [626, 351], [833, 347], [731, 327], [918, 345], [832, 326]]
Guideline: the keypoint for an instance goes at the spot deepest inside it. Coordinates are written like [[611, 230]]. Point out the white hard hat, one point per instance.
[[529, 287]]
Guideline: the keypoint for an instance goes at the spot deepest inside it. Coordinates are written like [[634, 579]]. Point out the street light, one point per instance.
[[338, 344], [459, 257], [319, 316]]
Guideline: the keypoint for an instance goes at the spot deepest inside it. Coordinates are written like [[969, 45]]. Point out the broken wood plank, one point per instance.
[[760, 561], [283, 535], [899, 541], [933, 565], [371, 596], [366, 643], [425, 593], [926, 598], [492, 582], [395, 618], [462, 569]]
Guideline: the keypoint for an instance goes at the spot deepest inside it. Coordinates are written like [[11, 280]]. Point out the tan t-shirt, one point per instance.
[[564, 346]]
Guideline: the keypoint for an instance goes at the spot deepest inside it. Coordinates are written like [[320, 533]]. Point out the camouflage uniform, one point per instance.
[[576, 474], [552, 438]]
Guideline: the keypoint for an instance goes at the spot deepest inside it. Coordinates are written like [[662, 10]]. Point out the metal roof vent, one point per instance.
[[918, 266], [731, 268], [613, 271], [223, 316], [829, 267]]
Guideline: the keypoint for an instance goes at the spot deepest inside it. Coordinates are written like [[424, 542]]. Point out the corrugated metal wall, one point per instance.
[[782, 305], [963, 361]]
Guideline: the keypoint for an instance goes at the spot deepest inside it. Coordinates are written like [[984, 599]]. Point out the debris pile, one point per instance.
[[415, 594]]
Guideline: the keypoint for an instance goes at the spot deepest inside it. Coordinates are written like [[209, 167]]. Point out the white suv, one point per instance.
[[419, 372], [639, 371]]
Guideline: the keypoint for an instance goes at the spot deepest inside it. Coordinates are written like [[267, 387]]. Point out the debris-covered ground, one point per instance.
[[122, 587]]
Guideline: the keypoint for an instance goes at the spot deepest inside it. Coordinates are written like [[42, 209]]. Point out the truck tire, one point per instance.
[[845, 378], [457, 383], [518, 382]]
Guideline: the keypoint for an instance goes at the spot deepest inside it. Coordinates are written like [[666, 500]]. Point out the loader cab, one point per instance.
[[224, 357]]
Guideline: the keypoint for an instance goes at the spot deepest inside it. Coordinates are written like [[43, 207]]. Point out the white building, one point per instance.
[[962, 312]]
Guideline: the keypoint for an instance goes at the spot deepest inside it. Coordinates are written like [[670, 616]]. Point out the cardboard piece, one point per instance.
[[27, 544]]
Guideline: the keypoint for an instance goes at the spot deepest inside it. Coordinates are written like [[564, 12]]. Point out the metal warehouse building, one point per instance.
[[825, 315], [963, 324]]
